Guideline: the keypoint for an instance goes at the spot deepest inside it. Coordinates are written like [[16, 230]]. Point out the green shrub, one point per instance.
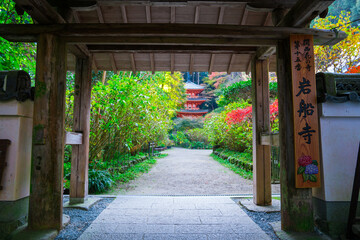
[[198, 135], [184, 124], [237, 137], [67, 174], [99, 181], [193, 138], [241, 90]]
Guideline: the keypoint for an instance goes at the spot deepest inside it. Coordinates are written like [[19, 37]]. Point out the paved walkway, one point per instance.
[[136, 217], [189, 172]]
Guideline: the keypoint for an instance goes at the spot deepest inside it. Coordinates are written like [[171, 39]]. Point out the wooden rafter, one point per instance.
[[232, 59], [172, 63], [221, 15], [76, 17], [91, 4], [197, 13], [113, 62], [163, 33], [191, 64], [152, 62], [41, 11], [211, 64], [248, 68], [148, 14], [132, 61], [108, 48], [244, 16], [267, 19], [303, 12], [172, 14], [265, 52], [123, 14], [100, 15], [299, 15]]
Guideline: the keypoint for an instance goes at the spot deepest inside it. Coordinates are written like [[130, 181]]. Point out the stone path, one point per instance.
[[189, 172], [137, 217]]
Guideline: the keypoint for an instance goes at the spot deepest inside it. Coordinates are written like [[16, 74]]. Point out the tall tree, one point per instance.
[[16, 56], [343, 55]]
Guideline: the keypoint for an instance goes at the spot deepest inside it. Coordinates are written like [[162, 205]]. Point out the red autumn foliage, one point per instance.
[[354, 69], [274, 110], [240, 115]]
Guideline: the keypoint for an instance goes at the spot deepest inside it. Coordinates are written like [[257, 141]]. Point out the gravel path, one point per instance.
[[189, 172], [80, 220]]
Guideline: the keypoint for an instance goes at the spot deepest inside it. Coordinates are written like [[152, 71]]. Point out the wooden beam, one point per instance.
[[100, 15], [197, 12], [41, 11], [170, 49], [244, 16], [123, 14], [148, 14], [261, 124], [82, 47], [46, 197], [304, 12], [221, 15], [172, 14], [180, 41], [103, 33], [77, 51], [73, 138], [152, 63], [113, 62], [265, 52], [81, 123], [89, 5], [191, 64], [232, 59], [211, 64], [76, 17], [132, 61], [172, 63]]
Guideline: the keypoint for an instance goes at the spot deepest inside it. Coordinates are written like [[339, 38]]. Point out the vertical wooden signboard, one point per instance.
[[306, 129]]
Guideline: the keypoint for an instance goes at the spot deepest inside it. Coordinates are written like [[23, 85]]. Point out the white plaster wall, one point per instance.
[[18, 129], [340, 137]]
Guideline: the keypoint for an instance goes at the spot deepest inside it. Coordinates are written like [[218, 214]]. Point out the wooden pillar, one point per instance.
[[296, 203], [46, 191], [261, 124], [80, 153]]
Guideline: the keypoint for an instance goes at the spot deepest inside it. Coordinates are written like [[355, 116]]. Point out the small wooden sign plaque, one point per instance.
[[306, 129]]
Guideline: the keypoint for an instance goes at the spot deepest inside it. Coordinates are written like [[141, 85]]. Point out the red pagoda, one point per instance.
[[193, 102]]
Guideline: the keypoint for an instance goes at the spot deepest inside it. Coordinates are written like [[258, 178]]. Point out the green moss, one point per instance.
[[38, 134], [40, 89]]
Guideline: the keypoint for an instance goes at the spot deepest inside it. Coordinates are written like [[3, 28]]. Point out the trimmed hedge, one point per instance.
[[240, 160]]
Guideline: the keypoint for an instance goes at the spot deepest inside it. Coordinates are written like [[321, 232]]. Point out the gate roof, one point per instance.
[[194, 36]]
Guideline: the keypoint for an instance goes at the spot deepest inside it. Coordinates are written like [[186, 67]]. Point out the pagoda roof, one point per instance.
[[191, 85], [193, 111], [196, 99]]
